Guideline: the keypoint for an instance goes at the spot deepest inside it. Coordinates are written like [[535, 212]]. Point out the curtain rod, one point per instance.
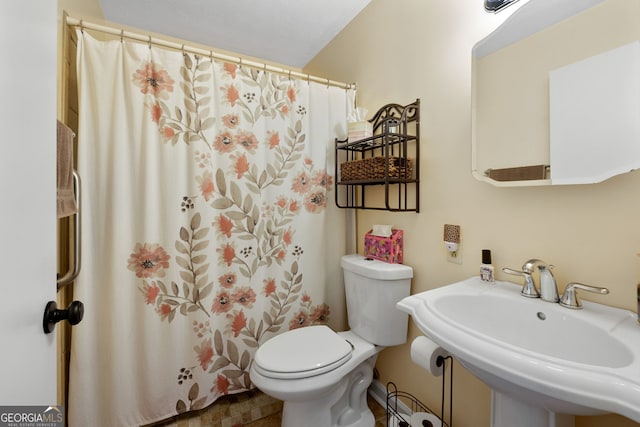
[[82, 24]]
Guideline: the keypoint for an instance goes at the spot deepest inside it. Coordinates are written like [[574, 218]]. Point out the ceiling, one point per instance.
[[287, 32]]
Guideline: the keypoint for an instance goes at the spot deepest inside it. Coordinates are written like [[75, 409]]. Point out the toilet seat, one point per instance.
[[302, 353]]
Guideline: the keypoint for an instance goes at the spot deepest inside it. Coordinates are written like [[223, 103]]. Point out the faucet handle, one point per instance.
[[514, 272], [529, 288], [570, 297]]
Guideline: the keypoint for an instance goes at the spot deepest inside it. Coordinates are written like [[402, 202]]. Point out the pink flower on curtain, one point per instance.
[[238, 321], [244, 296], [202, 158], [227, 280], [241, 165], [224, 142], [231, 94], [222, 384], [153, 80], [300, 320], [206, 185], [273, 139], [287, 236], [150, 292], [230, 69], [291, 94], [204, 353], [247, 140], [222, 303], [156, 112], [228, 254], [223, 225], [148, 260], [320, 314], [301, 183], [230, 120], [269, 287], [168, 133], [164, 310], [315, 201], [282, 202], [201, 328], [322, 179]]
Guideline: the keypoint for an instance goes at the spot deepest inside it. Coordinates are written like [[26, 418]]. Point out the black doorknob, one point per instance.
[[73, 314]]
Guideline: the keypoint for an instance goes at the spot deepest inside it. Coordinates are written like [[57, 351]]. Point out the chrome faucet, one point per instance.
[[548, 285], [570, 297]]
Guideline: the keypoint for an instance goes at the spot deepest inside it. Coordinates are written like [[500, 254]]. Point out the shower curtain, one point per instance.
[[208, 226]]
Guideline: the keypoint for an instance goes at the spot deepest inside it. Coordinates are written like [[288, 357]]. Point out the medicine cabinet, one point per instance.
[[556, 94]]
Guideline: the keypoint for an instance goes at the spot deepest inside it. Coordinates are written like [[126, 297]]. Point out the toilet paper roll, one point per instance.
[[420, 419], [425, 353]]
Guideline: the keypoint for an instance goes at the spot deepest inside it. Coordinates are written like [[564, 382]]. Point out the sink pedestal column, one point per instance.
[[508, 412]]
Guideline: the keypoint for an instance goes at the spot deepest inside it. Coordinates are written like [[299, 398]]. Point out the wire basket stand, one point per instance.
[[400, 400]]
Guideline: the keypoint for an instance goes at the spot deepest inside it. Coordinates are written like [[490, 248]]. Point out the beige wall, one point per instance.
[[400, 50]]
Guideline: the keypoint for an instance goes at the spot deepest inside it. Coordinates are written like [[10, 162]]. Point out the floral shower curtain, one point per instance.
[[208, 226]]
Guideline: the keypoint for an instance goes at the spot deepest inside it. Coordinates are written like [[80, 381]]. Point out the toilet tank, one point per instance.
[[372, 290]]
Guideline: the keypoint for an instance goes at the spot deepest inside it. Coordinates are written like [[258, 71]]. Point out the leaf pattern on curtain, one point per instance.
[[245, 153]]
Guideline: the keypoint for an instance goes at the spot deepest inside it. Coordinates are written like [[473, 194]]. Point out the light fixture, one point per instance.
[[496, 6]]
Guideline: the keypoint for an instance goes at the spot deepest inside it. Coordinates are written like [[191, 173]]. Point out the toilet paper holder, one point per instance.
[[404, 409]]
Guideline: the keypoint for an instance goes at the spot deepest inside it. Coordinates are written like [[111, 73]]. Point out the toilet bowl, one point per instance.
[[315, 400], [323, 376]]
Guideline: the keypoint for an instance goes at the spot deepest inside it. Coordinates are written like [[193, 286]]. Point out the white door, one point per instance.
[[28, 52]]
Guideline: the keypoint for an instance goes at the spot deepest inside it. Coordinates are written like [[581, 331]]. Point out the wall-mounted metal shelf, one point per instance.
[[382, 172]]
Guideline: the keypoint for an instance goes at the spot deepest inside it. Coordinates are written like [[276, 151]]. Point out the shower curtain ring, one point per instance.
[[240, 58], [149, 42], [81, 27], [121, 35], [211, 55]]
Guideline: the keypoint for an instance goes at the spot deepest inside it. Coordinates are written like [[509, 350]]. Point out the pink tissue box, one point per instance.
[[387, 249]]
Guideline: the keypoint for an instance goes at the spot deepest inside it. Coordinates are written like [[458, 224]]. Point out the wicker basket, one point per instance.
[[374, 168]]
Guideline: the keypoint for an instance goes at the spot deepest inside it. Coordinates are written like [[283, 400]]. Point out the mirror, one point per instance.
[[556, 94]]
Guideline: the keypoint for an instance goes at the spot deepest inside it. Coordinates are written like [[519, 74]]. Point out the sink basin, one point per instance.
[[579, 362]]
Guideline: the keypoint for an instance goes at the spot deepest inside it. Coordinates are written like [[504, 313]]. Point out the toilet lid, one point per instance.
[[302, 353]]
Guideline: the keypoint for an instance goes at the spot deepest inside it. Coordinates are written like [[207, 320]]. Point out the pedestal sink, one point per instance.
[[544, 363]]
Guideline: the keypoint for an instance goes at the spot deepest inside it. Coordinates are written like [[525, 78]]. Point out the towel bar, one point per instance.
[[73, 272]]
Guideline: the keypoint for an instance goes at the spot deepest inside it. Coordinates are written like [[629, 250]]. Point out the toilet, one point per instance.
[[322, 376]]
